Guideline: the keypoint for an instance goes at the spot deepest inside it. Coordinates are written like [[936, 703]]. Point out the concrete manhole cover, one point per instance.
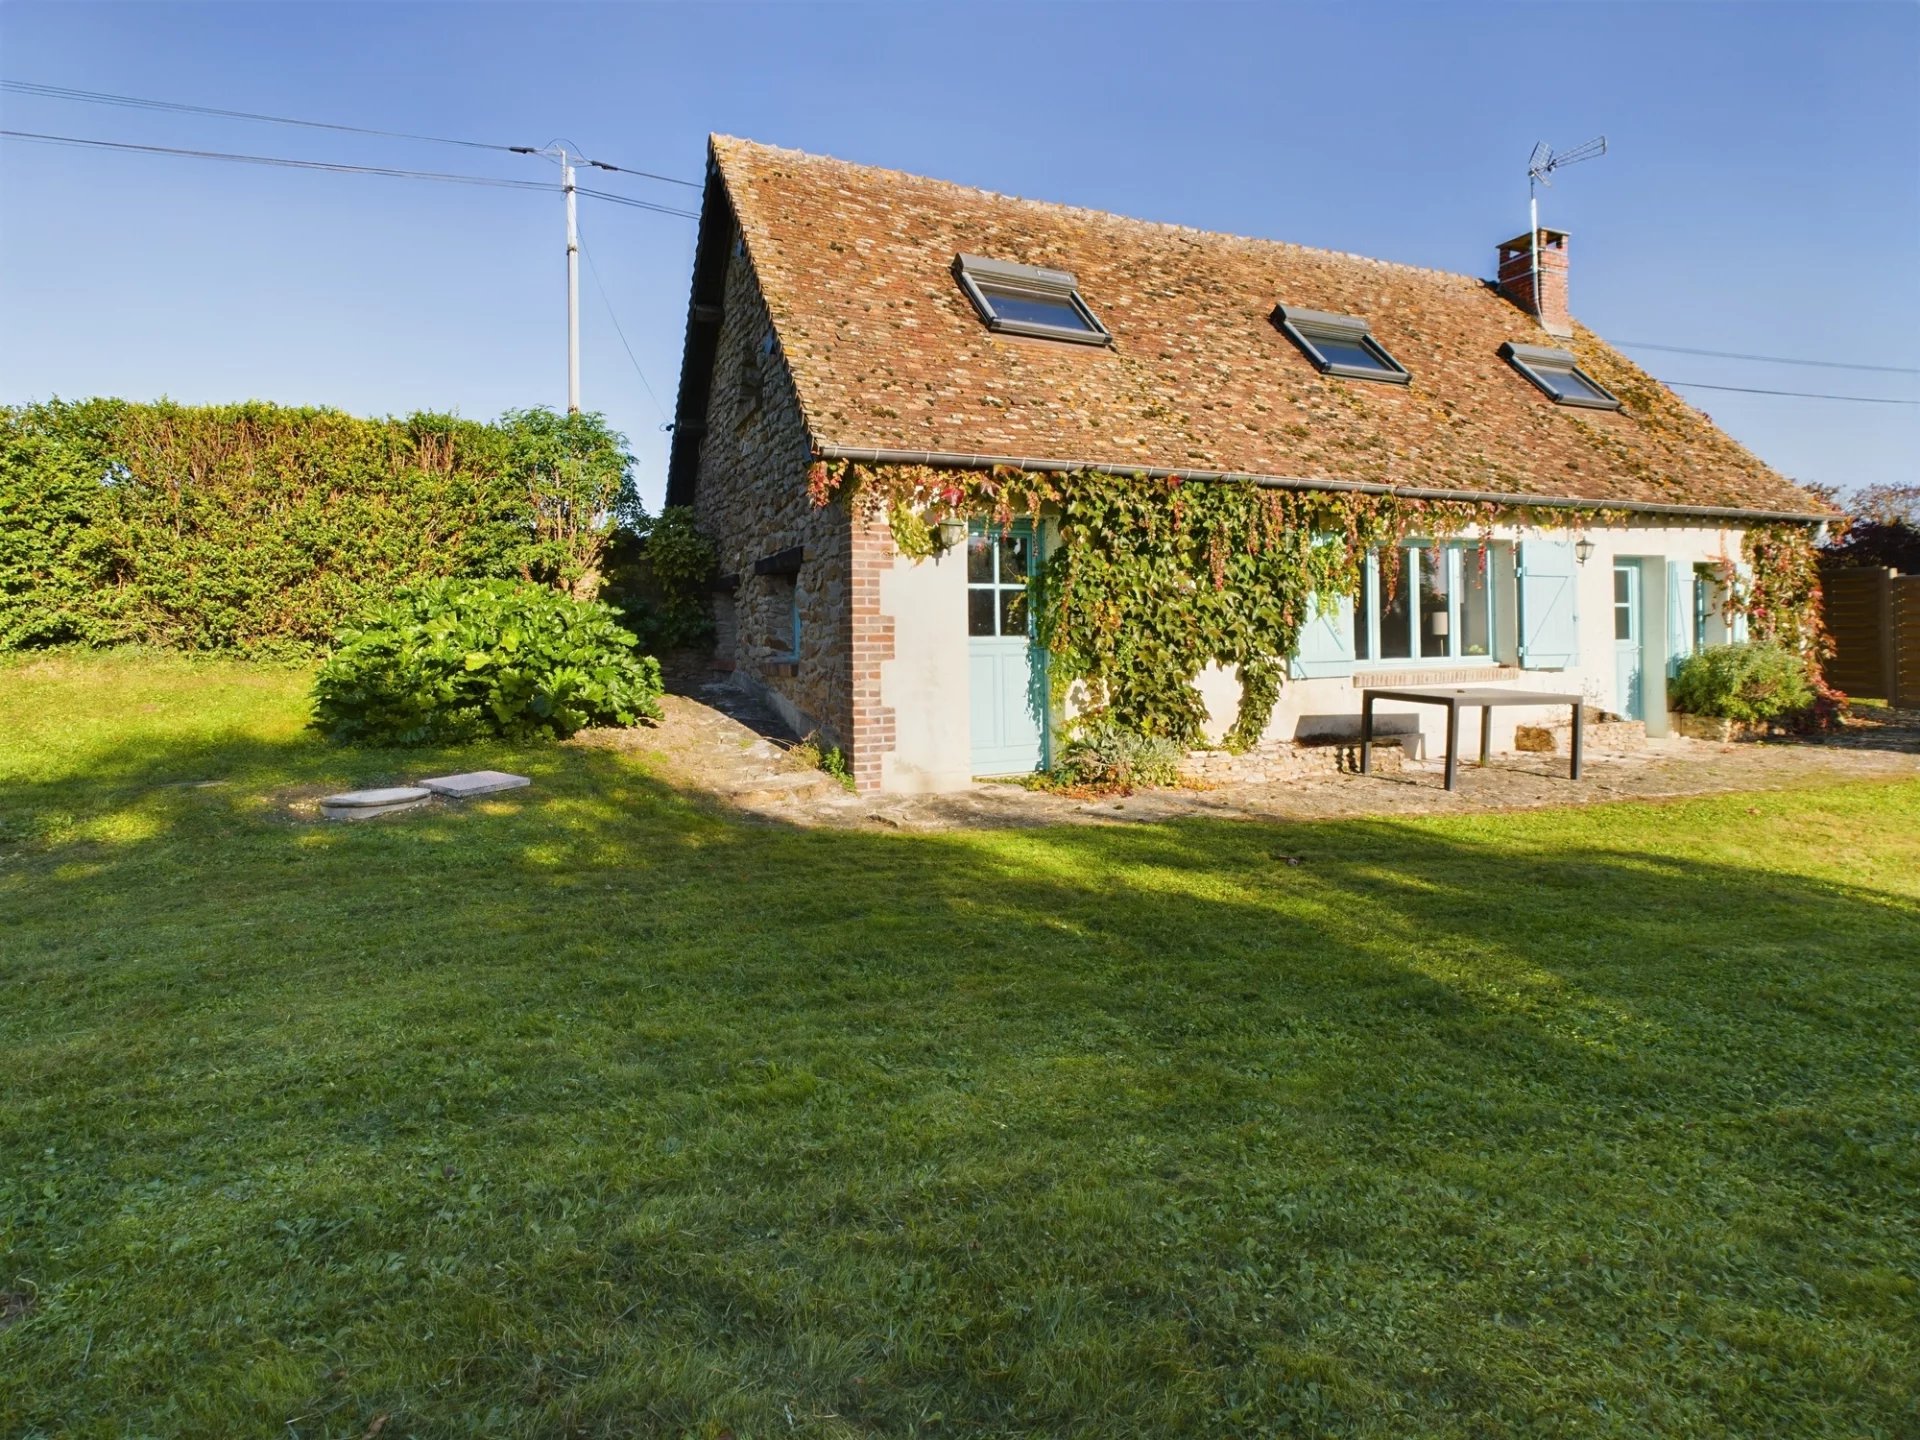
[[365, 804], [474, 782]]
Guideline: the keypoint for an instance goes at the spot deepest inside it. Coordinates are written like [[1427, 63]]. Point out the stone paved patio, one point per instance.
[[719, 742]]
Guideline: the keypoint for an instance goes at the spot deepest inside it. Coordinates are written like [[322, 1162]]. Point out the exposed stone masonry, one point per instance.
[[752, 503]]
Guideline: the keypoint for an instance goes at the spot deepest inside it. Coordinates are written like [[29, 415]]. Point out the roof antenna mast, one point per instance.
[[1540, 165]]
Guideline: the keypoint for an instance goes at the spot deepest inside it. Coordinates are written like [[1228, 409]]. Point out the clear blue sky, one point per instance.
[[1762, 194]]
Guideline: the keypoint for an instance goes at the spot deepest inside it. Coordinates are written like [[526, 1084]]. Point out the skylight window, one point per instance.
[[1560, 375], [1339, 345], [1026, 300]]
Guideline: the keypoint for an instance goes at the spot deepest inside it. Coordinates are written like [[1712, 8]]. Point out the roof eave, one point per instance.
[[955, 460]]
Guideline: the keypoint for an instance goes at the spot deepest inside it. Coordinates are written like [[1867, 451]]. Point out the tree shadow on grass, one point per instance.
[[589, 1109]]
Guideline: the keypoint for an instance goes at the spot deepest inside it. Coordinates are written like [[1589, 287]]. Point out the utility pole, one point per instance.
[[573, 286], [557, 151]]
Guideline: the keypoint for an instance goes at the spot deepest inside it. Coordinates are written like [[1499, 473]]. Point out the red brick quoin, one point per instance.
[[870, 645]]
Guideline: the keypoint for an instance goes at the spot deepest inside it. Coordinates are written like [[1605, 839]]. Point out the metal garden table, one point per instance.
[[1453, 699]]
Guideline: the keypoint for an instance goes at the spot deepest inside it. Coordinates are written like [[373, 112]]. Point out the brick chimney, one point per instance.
[[1516, 279]]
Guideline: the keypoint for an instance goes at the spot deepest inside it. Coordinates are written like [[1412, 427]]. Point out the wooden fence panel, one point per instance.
[[1856, 606], [1905, 626]]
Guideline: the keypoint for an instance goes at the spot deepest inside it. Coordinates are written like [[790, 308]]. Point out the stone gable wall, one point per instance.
[[751, 500]]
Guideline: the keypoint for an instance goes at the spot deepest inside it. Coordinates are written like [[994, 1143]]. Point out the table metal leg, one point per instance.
[[1366, 735], [1453, 742], [1486, 734], [1577, 717]]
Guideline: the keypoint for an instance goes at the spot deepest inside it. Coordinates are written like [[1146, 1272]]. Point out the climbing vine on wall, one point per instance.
[[1782, 590], [1155, 578]]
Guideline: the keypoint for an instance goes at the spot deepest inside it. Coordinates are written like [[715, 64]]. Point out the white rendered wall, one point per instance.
[[926, 681]]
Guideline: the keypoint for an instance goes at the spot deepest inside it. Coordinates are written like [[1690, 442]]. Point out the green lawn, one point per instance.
[[588, 1110]]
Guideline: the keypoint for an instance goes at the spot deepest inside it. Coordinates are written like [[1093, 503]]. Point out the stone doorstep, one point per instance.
[[474, 782], [365, 804], [782, 785]]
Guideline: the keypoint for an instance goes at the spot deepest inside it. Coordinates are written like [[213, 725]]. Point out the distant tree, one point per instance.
[[1884, 528], [576, 470]]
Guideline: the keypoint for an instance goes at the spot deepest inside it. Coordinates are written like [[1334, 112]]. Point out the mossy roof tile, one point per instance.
[[854, 265]]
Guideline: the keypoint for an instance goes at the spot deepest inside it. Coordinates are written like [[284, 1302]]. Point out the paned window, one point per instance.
[[1558, 374], [1425, 602], [998, 564], [1339, 344], [1622, 603], [1027, 300]]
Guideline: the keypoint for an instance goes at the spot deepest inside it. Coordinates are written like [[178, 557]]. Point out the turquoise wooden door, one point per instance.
[[1629, 646], [1008, 674]]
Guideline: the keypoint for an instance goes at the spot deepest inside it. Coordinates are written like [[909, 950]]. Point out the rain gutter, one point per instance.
[[953, 460]]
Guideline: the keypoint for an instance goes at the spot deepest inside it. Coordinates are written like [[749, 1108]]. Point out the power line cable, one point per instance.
[[498, 182], [1768, 359], [281, 161], [638, 204], [1795, 394], [335, 167], [101, 97], [97, 97], [607, 301], [629, 170]]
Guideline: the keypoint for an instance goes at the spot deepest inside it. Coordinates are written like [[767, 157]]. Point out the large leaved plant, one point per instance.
[[456, 660]]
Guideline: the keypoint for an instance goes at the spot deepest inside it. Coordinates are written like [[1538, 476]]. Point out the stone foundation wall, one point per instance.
[[1611, 735], [1277, 761], [1716, 728]]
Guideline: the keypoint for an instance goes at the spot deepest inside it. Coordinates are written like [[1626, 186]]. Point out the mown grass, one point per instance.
[[586, 1110]]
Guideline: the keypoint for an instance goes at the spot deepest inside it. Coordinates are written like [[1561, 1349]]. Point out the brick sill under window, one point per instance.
[[1455, 673], [780, 666]]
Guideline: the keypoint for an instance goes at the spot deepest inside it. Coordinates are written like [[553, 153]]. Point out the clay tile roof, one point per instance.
[[886, 352]]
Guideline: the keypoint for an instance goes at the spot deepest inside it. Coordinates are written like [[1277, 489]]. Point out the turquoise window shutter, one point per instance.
[[1679, 614], [1737, 623], [1549, 619], [1326, 643]]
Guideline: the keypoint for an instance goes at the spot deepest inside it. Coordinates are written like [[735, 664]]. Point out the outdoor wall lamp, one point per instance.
[[1583, 549], [953, 532]]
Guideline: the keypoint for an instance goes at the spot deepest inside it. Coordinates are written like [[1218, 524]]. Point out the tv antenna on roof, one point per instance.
[[1543, 162], [1540, 167]]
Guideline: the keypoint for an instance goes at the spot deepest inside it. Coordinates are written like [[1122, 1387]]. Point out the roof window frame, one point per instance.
[[1301, 326], [1530, 360], [980, 277]]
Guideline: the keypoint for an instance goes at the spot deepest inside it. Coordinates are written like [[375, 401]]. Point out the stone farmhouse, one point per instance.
[[841, 312]]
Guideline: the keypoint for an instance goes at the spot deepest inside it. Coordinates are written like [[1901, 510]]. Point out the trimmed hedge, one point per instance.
[[456, 660], [263, 529]]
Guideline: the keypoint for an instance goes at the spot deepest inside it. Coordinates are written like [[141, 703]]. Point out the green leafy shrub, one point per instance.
[[1750, 683], [1105, 756], [455, 660], [661, 578]]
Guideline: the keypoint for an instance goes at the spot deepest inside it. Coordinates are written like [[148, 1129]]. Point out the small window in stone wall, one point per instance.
[[782, 614]]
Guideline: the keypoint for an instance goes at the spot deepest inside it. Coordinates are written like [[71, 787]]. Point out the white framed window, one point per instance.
[[1426, 602]]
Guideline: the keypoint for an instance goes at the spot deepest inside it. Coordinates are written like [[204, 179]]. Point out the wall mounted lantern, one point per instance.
[[1583, 550], [953, 532]]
